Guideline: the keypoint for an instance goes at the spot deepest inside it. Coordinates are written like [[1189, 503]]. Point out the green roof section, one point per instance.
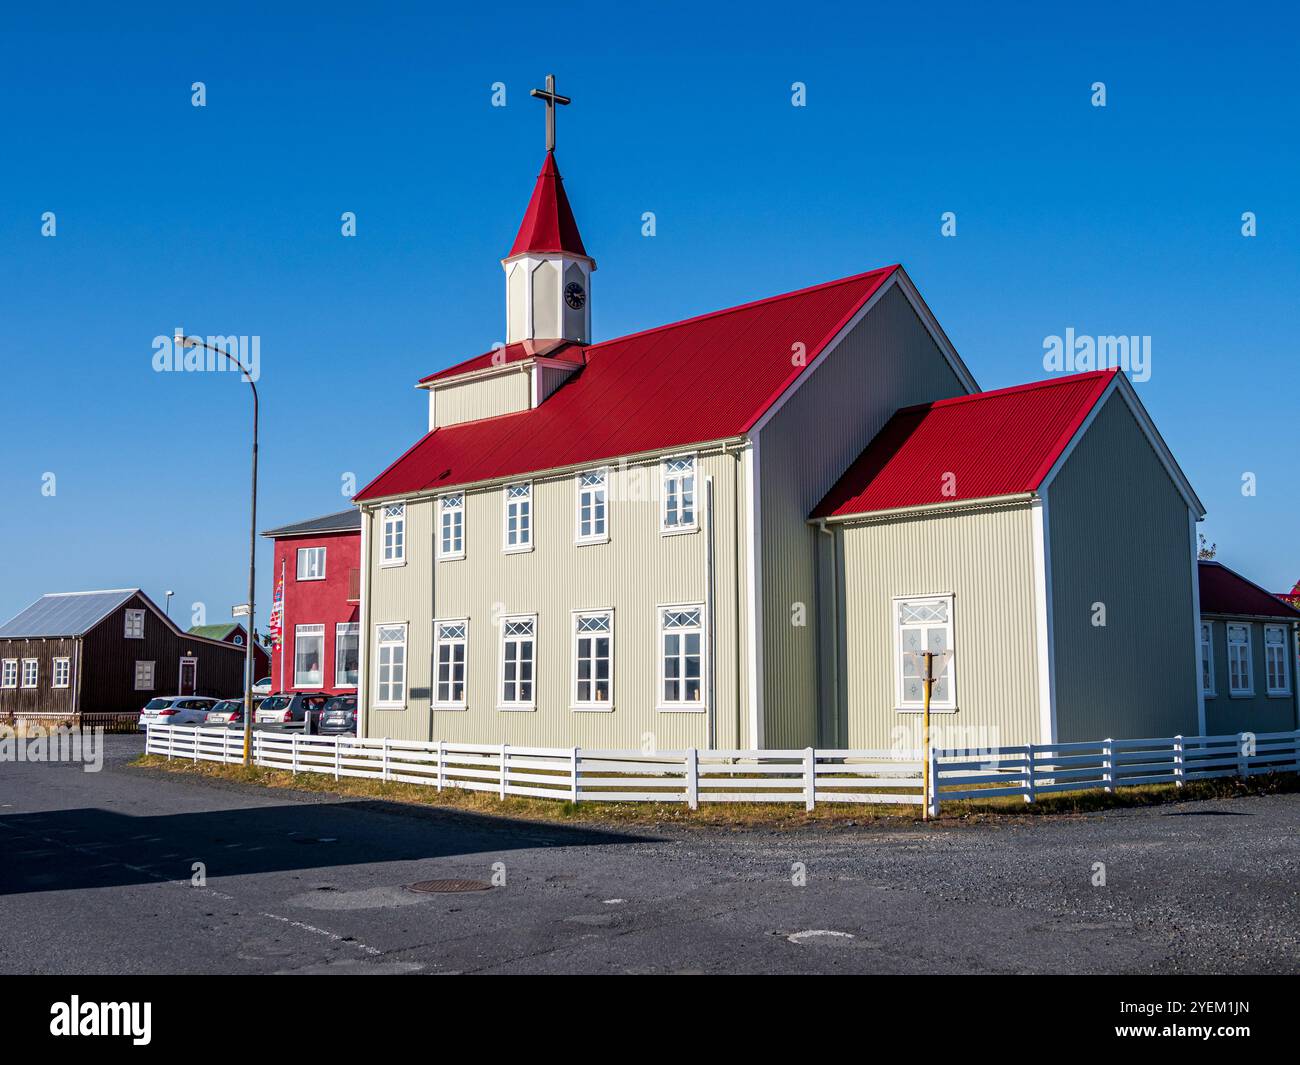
[[213, 632]]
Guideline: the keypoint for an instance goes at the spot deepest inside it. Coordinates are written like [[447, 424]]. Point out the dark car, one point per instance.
[[289, 708], [339, 718]]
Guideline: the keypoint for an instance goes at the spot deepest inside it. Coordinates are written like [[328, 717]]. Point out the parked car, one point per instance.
[[286, 708], [227, 712], [262, 687], [339, 718], [175, 710]]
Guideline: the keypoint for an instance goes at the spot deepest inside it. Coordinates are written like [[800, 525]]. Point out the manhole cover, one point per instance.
[[446, 887]]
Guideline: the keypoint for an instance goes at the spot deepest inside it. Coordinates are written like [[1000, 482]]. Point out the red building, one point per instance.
[[315, 612]]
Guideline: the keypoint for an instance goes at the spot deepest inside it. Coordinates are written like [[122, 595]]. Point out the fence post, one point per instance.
[[809, 778], [293, 744], [171, 742], [1179, 767], [197, 733], [932, 800], [225, 746], [1241, 755], [1031, 791], [1295, 740], [503, 770], [573, 775], [384, 764], [1108, 764], [338, 756], [440, 762], [693, 778]]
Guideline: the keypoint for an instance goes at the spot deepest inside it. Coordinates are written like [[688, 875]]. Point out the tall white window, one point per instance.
[[311, 563], [144, 676], [31, 672], [9, 673], [449, 656], [677, 512], [519, 517], [394, 535], [920, 625], [593, 507], [1207, 657], [134, 625], [593, 660], [681, 659], [62, 672], [390, 672], [1240, 681], [347, 637], [518, 658], [451, 526], [1276, 653], [308, 654]]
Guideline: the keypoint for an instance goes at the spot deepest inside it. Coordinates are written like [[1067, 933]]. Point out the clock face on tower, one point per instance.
[[574, 295]]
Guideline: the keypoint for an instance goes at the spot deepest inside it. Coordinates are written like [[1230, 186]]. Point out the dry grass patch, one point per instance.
[[739, 814]]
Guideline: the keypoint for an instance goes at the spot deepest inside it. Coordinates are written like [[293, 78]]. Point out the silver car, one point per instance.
[[175, 710]]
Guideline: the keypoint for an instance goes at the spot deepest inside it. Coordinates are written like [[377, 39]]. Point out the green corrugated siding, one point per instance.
[[888, 361], [1120, 537], [485, 397], [1261, 712], [637, 571], [985, 559]]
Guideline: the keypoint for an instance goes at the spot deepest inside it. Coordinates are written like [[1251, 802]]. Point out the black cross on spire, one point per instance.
[[551, 98]]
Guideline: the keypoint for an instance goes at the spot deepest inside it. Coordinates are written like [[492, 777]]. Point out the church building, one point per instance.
[[739, 531]]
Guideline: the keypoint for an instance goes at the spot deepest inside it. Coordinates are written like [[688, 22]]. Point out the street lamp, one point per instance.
[[198, 342], [168, 603]]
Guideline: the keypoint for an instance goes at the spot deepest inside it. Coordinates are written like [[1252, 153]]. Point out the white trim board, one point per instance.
[[1043, 621]]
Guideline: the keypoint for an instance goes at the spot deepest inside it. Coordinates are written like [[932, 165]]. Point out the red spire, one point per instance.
[[548, 224]]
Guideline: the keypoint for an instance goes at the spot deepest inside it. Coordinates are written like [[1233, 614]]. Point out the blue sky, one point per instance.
[[225, 220]]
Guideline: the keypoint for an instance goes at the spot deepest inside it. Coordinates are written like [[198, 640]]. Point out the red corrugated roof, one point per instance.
[[563, 350], [1224, 591], [983, 445], [549, 225], [706, 378]]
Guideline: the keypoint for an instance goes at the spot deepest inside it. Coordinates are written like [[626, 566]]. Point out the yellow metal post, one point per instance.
[[925, 735]]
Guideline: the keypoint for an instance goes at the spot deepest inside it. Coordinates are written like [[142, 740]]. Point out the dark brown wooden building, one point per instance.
[[82, 653]]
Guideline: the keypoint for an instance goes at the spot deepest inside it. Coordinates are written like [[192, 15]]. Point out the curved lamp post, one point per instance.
[[198, 342]]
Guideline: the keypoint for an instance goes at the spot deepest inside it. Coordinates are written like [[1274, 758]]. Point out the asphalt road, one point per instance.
[[96, 877]]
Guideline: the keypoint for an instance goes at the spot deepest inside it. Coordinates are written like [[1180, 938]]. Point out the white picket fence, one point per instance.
[[692, 776], [1044, 769], [570, 773]]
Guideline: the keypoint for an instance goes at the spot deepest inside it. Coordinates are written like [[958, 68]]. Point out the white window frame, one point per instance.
[[674, 478], [1234, 691], [682, 706], [309, 575], [517, 704], [380, 645], [580, 492], [518, 499], [9, 673], [1285, 655], [939, 706], [448, 506], [450, 641], [152, 683], [392, 534], [67, 672], [1207, 655], [341, 629], [591, 705], [133, 625], [298, 634], [35, 663]]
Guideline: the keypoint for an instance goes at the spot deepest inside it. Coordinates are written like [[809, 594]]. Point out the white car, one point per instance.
[[262, 687], [176, 710]]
